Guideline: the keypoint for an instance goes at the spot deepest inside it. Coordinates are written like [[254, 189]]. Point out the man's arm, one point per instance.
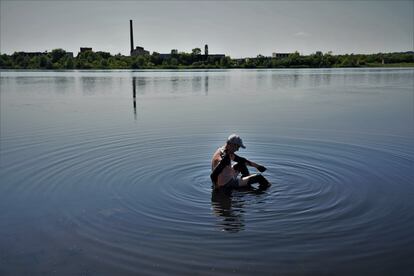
[[225, 160], [240, 159]]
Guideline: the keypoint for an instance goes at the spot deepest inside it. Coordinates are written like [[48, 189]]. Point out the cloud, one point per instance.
[[302, 34]]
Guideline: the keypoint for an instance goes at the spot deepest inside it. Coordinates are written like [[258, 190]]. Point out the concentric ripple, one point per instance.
[[143, 198]]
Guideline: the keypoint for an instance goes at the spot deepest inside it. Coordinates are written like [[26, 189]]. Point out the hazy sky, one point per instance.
[[235, 28]]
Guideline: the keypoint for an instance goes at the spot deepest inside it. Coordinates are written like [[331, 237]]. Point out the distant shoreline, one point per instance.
[[373, 66], [59, 59]]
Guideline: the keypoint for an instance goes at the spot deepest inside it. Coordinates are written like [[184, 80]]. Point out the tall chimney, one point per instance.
[[131, 35]]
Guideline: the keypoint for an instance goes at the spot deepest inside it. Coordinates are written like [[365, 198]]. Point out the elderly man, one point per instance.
[[224, 175]]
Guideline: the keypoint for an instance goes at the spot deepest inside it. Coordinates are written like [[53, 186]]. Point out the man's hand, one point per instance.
[[261, 168]]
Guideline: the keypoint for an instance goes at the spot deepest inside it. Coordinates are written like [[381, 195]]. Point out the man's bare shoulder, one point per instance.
[[217, 154]]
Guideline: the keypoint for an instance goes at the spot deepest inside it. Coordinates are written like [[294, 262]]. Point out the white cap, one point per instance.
[[235, 139]]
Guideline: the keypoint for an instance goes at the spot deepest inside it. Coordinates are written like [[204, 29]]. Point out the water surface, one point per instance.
[[107, 172]]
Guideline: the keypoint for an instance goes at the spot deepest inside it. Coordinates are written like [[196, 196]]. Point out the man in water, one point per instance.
[[224, 175]]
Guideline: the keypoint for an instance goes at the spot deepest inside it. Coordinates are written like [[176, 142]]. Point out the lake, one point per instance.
[[107, 172]]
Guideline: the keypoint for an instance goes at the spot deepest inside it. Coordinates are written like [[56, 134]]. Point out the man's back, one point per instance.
[[227, 173]]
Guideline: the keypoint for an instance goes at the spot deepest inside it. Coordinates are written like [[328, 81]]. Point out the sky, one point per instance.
[[234, 28]]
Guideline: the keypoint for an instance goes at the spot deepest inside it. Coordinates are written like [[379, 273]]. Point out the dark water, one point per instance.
[[93, 183]]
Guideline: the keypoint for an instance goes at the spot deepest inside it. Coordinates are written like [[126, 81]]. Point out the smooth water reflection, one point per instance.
[[107, 172]]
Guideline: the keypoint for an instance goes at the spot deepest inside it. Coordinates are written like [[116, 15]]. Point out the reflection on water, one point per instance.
[[85, 189], [230, 210], [141, 84], [134, 96], [196, 84], [230, 206], [206, 85], [88, 85]]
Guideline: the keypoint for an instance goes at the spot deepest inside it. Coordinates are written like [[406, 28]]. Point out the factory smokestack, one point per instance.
[[131, 35]]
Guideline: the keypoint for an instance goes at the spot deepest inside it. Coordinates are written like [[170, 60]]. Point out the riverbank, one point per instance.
[[379, 65], [59, 59], [371, 66]]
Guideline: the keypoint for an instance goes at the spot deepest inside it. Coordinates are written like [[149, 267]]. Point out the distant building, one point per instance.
[[33, 54], [139, 51], [104, 54], [280, 55], [85, 49], [89, 49], [165, 56], [36, 54], [216, 56], [213, 56], [206, 54]]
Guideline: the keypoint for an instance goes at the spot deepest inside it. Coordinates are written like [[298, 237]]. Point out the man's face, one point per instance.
[[234, 147]]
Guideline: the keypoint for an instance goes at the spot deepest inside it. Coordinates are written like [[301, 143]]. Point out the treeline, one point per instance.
[[327, 60], [60, 59]]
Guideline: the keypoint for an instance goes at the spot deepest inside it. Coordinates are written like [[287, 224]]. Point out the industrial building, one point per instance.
[[36, 54], [85, 49], [89, 49], [280, 55], [138, 51]]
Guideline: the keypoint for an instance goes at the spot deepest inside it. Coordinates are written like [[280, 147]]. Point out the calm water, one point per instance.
[[93, 183]]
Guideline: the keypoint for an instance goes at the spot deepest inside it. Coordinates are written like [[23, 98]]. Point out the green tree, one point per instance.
[[173, 62], [69, 64], [185, 59], [44, 62], [139, 62], [104, 64], [57, 54], [57, 65], [293, 59], [5, 62], [34, 63], [250, 63], [156, 59], [195, 55], [328, 60], [225, 62], [196, 52], [348, 61]]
